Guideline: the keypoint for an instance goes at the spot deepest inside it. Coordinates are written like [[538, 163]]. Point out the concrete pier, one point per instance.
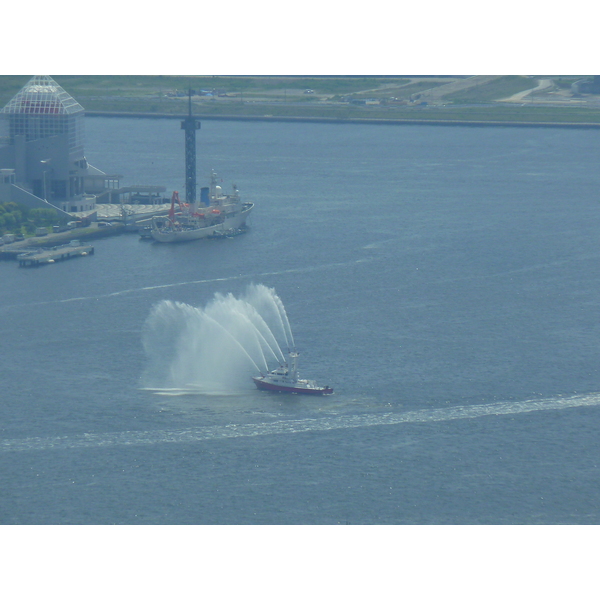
[[43, 256]]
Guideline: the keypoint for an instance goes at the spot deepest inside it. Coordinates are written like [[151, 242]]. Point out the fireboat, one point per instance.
[[285, 379]]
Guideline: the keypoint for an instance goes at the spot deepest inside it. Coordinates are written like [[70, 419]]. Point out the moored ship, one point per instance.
[[285, 379], [216, 214]]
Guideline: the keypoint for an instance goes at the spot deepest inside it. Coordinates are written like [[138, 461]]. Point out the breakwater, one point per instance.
[[349, 120]]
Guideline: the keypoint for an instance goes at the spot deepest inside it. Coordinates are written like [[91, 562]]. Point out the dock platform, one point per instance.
[[44, 256]]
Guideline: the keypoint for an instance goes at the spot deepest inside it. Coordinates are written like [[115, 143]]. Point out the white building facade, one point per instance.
[[42, 142]]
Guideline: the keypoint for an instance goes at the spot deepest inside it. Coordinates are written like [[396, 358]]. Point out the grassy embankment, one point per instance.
[[286, 97]]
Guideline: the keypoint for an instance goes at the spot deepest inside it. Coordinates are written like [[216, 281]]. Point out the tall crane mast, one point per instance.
[[190, 124]]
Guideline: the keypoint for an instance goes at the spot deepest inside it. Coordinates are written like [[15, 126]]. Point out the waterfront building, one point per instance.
[[42, 157]]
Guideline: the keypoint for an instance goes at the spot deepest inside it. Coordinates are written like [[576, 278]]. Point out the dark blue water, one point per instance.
[[445, 281]]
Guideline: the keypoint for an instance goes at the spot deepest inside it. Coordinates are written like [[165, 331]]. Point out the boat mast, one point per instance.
[[190, 124], [294, 366]]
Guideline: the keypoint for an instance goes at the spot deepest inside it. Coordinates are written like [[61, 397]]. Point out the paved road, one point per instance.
[[543, 84], [436, 95]]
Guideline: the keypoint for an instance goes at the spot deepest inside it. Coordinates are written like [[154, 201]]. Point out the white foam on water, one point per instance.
[[307, 269], [286, 427], [195, 391]]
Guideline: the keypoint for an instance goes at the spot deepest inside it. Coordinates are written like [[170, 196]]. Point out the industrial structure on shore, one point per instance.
[[190, 124], [43, 163], [42, 159]]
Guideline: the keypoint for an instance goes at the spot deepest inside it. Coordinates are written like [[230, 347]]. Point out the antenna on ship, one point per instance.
[[190, 124]]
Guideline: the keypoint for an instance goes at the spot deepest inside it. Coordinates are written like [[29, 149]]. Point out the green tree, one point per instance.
[[11, 206], [43, 217], [13, 216], [18, 215], [9, 221]]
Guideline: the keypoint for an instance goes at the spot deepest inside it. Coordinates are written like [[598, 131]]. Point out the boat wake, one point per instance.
[[191, 390], [151, 288], [284, 427]]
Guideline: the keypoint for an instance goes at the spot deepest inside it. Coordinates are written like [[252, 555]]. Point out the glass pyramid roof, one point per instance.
[[42, 96]]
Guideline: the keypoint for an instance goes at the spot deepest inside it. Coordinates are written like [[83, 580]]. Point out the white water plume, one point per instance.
[[270, 305], [217, 347]]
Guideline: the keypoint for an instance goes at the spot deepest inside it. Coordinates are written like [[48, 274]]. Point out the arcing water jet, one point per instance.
[[217, 347]]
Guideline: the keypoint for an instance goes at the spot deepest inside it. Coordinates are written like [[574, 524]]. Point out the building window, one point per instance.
[[59, 188]]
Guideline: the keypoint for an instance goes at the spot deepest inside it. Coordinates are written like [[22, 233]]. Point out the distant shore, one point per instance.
[[349, 120]]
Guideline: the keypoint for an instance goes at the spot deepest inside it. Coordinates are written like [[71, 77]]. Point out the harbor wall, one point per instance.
[[442, 122], [10, 251]]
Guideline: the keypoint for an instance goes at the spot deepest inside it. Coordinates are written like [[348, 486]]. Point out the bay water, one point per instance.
[[444, 281]]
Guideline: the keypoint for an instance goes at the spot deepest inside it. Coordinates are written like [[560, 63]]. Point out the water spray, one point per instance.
[[218, 347]]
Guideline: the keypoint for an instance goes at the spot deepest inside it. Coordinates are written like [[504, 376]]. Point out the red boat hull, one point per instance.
[[271, 387]]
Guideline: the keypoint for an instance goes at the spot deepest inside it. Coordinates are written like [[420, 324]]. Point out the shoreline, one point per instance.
[[344, 121], [10, 251]]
